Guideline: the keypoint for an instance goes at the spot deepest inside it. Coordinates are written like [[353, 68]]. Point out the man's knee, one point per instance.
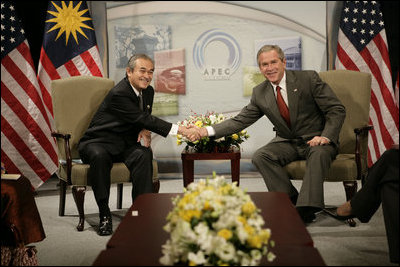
[[323, 153], [97, 155], [261, 157], [139, 156]]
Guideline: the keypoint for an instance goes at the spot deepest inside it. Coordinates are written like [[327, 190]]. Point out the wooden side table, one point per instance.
[[188, 159]]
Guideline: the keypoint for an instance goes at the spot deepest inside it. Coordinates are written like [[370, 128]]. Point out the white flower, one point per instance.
[[225, 250], [213, 119], [215, 223], [197, 258]]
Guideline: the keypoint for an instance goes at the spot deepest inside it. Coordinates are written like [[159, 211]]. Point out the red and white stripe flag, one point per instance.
[[362, 46], [69, 46], [26, 143], [396, 90]]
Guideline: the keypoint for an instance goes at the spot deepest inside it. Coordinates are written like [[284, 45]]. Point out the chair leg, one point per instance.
[[63, 190], [79, 196], [156, 186], [119, 195], [350, 188]]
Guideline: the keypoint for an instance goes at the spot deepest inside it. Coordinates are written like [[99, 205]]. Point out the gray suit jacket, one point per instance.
[[313, 106]]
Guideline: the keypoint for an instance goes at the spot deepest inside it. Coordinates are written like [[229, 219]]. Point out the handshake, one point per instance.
[[192, 132]]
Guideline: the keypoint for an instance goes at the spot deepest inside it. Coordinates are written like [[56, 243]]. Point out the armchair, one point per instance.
[[75, 100], [354, 91]]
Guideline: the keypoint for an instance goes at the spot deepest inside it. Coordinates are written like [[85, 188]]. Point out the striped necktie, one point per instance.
[[140, 96]]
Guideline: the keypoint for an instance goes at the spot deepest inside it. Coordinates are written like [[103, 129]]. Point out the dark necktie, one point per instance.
[[140, 96], [283, 109]]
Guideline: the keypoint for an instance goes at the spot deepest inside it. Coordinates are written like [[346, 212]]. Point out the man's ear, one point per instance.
[[127, 71]]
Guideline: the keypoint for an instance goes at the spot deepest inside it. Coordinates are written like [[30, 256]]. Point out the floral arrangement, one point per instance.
[[210, 144], [215, 223]]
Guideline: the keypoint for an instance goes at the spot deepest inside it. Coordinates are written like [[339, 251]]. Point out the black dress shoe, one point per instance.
[[333, 213], [308, 217], [307, 214], [293, 199], [105, 226]]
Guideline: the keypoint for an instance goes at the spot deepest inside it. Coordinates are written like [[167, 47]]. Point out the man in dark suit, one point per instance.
[[115, 133], [381, 186], [307, 117]]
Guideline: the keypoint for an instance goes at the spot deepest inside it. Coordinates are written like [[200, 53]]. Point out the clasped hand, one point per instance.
[[193, 133], [146, 136]]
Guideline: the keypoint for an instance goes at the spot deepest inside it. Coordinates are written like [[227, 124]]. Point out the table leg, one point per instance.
[[235, 169], [188, 171]]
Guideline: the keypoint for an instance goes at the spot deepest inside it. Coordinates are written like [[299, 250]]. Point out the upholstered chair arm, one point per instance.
[[67, 152], [361, 134]]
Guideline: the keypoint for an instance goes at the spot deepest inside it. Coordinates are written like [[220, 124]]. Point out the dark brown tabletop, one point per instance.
[[138, 239], [285, 256]]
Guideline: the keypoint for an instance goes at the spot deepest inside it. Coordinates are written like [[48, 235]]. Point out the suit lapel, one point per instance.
[[273, 106], [293, 97], [146, 101]]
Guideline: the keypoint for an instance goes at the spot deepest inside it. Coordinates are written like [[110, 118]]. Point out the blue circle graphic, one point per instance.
[[212, 36]]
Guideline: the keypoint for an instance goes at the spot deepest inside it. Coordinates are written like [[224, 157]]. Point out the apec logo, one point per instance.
[[219, 68]]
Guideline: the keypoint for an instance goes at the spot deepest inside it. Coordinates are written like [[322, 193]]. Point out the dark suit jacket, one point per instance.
[[118, 121], [313, 106]]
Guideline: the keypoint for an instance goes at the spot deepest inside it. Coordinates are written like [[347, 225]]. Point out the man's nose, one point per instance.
[[148, 75], [268, 67]]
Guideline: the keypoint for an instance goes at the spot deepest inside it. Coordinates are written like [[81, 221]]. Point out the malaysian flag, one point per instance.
[[69, 46], [26, 143], [362, 46]]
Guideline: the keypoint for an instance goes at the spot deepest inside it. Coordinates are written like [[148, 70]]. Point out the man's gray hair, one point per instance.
[[267, 48], [132, 61]]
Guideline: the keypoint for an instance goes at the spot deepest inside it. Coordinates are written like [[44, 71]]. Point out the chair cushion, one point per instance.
[[343, 168], [119, 173]]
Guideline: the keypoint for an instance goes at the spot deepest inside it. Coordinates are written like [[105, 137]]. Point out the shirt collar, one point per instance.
[[282, 83], [134, 90]]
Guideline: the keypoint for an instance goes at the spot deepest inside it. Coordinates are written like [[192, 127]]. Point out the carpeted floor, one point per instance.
[[338, 244]]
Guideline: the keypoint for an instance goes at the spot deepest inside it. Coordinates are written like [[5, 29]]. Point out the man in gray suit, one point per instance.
[[307, 117]]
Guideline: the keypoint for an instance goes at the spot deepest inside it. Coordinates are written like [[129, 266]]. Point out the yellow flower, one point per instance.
[[179, 142], [199, 124], [187, 199], [249, 230], [225, 233], [224, 190], [248, 208], [235, 136], [207, 205], [242, 220], [265, 234], [187, 215], [254, 241]]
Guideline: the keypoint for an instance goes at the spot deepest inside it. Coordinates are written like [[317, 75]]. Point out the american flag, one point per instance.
[[362, 46], [69, 46], [396, 90], [26, 143]]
